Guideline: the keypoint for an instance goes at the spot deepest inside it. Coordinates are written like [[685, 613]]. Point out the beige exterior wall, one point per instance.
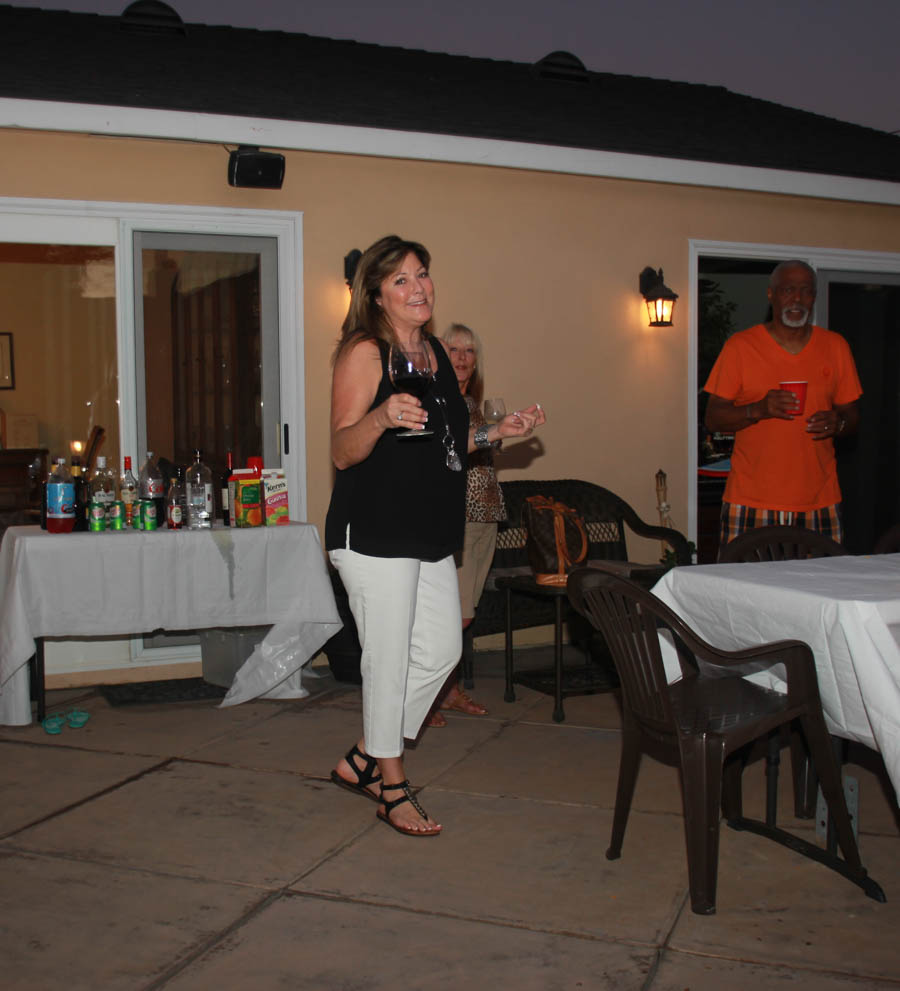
[[544, 266]]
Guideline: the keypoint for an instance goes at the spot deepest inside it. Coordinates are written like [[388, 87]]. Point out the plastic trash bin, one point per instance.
[[224, 649]]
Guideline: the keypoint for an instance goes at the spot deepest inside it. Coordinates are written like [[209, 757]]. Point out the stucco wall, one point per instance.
[[543, 265]]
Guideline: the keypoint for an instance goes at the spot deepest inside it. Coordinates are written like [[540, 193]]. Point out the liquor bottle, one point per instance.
[[128, 487], [82, 494], [175, 502], [198, 489], [60, 499], [103, 485], [151, 486], [223, 491]]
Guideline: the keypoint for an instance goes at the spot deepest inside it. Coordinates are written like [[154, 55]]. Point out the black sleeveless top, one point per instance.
[[403, 500]]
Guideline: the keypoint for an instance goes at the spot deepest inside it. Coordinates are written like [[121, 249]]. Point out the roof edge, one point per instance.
[[117, 121]]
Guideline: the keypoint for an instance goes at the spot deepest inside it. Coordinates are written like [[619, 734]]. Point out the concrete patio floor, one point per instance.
[[185, 846]]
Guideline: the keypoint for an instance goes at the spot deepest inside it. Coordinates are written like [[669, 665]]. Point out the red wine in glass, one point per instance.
[[411, 371]]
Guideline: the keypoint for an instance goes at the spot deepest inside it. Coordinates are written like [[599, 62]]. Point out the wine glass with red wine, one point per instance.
[[411, 371]]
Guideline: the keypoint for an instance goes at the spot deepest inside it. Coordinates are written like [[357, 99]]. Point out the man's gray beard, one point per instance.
[[795, 322]]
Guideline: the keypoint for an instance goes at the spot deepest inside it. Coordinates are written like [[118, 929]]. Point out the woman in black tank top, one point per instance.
[[396, 516]]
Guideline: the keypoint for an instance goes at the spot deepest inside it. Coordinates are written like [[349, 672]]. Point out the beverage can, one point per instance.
[[115, 515], [97, 517], [148, 514]]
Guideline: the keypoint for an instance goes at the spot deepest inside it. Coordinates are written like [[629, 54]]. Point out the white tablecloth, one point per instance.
[[846, 608], [133, 582]]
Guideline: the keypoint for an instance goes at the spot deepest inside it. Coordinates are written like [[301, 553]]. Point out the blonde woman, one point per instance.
[[484, 505]]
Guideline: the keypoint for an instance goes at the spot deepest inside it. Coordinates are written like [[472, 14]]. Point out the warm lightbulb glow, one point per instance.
[[660, 312], [76, 446]]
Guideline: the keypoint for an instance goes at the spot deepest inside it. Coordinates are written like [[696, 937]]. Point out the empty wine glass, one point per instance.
[[411, 371], [494, 410]]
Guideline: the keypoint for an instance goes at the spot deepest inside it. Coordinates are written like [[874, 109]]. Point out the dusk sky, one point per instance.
[[834, 57]]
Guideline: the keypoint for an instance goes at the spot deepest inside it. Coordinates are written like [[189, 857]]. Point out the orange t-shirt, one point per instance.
[[775, 463]]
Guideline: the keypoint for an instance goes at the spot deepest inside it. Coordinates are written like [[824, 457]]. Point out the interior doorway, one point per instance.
[[865, 308]]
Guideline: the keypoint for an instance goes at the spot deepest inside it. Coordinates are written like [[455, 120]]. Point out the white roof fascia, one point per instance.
[[382, 142]]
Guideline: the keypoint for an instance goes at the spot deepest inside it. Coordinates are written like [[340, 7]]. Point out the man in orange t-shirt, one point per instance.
[[783, 468]]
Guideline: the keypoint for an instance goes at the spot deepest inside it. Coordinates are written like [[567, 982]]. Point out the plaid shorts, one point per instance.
[[737, 519]]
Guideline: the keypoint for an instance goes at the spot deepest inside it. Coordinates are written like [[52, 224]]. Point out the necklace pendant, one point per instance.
[[453, 462]]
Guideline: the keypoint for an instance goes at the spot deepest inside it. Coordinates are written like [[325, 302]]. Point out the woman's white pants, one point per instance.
[[410, 627]]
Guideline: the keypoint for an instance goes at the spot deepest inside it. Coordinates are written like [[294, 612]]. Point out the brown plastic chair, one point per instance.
[[703, 722], [779, 543], [785, 543]]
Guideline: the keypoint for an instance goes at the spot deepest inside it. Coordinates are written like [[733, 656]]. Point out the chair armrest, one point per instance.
[[795, 655], [677, 541]]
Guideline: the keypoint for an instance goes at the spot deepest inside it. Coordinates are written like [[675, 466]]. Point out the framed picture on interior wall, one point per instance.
[[7, 369]]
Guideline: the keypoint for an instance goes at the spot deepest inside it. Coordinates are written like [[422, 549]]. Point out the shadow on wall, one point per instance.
[[521, 454]]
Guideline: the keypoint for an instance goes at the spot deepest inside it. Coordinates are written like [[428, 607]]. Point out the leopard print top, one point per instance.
[[484, 499]]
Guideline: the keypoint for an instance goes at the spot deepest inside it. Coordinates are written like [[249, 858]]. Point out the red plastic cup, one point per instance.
[[799, 391]]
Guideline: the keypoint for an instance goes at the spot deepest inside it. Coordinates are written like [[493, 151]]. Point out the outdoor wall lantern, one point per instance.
[[658, 296], [351, 260]]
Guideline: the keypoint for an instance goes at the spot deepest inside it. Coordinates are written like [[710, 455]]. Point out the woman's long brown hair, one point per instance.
[[365, 320]]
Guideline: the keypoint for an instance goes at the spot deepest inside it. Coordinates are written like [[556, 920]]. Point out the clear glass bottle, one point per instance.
[[198, 488], [152, 486], [103, 485], [130, 494], [175, 502]]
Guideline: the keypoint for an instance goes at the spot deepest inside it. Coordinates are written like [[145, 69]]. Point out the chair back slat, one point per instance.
[[779, 543], [632, 635]]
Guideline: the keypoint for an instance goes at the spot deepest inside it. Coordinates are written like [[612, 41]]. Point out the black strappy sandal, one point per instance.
[[368, 775], [407, 796]]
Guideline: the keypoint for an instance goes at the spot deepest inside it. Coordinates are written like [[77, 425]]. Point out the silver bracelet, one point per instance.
[[481, 436]]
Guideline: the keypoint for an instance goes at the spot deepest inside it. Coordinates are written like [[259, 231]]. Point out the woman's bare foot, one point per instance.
[[401, 810], [436, 719], [457, 699]]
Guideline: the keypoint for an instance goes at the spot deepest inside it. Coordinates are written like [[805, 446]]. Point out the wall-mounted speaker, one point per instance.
[[248, 166]]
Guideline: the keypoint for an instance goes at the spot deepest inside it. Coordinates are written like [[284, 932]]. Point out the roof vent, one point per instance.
[[562, 65], [152, 16]]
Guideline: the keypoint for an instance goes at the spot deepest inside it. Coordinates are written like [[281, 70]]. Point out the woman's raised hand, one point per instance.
[[522, 422]]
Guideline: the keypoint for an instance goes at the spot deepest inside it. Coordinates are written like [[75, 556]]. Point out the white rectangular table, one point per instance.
[[134, 582], [846, 608]]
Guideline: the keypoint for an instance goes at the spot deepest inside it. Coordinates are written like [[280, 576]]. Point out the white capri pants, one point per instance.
[[410, 628]]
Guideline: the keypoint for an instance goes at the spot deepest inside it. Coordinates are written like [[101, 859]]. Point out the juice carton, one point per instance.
[[246, 506], [274, 497]]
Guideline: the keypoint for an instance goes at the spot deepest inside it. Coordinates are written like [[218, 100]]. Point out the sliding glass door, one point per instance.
[[144, 326], [207, 348]]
